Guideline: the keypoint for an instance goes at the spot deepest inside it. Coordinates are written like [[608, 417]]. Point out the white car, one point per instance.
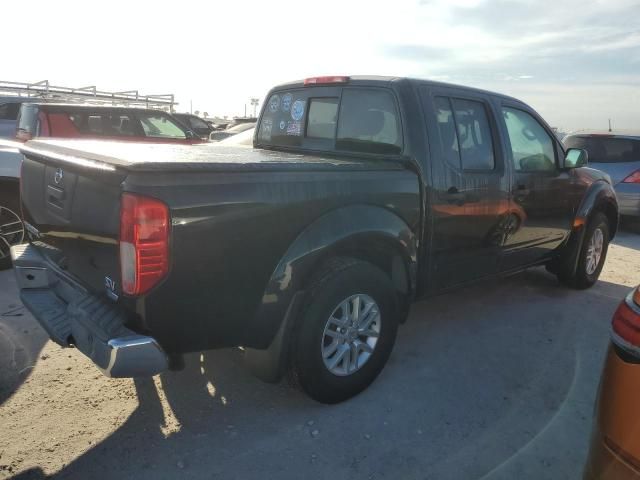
[[11, 226], [244, 138]]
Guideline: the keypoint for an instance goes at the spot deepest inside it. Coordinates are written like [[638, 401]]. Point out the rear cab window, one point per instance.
[[350, 119]]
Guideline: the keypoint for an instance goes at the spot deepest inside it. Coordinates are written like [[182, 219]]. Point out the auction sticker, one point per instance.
[[274, 103], [286, 102], [294, 128], [265, 129], [297, 110]]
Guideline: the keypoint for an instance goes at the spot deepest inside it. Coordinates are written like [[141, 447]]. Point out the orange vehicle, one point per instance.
[[615, 441]]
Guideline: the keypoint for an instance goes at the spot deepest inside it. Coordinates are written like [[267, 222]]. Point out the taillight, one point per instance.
[[325, 80], [633, 178], [144, 243], [626, 321]]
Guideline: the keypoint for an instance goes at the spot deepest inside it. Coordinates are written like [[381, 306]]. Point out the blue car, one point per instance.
[[618, 155]]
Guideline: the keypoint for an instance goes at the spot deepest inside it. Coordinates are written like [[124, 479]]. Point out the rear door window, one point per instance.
[[465, 134], [104, 124], [447, 131], [606, 149], [349, 119], [474, 135]]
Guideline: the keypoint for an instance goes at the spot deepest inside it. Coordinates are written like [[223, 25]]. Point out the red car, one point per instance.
[[101, 122]]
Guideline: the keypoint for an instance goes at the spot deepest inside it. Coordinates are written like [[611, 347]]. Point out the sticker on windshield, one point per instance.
[[265, 129], [274, 103], [294, 128], [297, 110], [286, 102], [282, 124]]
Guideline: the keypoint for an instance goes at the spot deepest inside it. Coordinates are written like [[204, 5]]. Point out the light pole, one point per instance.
[[254, 102]]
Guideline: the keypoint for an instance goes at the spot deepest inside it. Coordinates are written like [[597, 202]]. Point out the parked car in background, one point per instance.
[[243, 138], [194, 123], [360, 195], [101, 122], [618, 155], [615, 441], [9, 109], [234, 130], [11, 226], [72, 121]]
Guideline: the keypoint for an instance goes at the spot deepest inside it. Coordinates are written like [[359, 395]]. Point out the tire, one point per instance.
[[11, 232], [586, 273], [344, 282]]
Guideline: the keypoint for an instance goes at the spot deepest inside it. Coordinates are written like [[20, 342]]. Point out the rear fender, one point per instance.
[[362, 231]]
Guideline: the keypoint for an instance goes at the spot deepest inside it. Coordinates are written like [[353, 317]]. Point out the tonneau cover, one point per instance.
[[108, 155]]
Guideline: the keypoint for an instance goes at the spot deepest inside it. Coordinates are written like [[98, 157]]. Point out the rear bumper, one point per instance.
[[74, 317], [628, 195]]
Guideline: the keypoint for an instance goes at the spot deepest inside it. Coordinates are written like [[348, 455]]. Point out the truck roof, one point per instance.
[[386, 81]]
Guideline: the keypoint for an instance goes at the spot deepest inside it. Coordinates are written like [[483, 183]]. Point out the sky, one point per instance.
[[576, 62]]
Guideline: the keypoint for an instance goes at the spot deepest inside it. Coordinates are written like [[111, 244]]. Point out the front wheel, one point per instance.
[[347, 331], [592, 254]]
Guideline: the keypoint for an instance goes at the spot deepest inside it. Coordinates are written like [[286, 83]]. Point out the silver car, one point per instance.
[[617, 154]]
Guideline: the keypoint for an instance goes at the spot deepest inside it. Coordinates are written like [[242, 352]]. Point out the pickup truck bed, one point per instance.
[[235, 216]]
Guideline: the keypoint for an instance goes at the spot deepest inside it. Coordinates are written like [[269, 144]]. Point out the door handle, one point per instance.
[[453, 195], [521, 191]]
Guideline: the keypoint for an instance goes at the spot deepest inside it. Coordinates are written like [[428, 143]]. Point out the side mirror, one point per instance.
[[190, 134], [575, 158]]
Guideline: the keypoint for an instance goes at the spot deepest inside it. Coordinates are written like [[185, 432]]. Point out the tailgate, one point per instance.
[[72, 211]]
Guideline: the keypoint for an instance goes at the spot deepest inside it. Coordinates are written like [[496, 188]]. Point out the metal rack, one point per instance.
[[90, 94]]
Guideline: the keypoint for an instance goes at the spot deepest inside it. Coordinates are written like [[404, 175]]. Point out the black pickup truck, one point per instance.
[[360, 195]]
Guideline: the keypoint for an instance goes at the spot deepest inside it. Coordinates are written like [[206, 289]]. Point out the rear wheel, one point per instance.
[[347, 331], [592, 255], [11, 227]]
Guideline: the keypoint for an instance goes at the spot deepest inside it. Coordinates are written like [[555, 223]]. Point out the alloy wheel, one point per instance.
[[11, 231], [351, 334]]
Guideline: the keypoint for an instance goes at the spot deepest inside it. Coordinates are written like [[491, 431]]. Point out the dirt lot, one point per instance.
[[495, 382]]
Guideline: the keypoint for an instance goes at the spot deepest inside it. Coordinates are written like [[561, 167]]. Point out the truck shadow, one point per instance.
[[483, 369], [21, 339]]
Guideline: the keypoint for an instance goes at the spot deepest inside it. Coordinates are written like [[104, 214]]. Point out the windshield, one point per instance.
[[605, 149], [160, 126]]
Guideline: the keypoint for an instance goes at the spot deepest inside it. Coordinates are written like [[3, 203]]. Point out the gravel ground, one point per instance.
[[496, 381]]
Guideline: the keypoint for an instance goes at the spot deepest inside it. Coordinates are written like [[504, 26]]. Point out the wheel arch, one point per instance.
[[365, 232], [600, 197]]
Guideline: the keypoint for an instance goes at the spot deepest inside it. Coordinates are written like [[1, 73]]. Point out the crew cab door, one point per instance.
[[542, 205], [468, 195]]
